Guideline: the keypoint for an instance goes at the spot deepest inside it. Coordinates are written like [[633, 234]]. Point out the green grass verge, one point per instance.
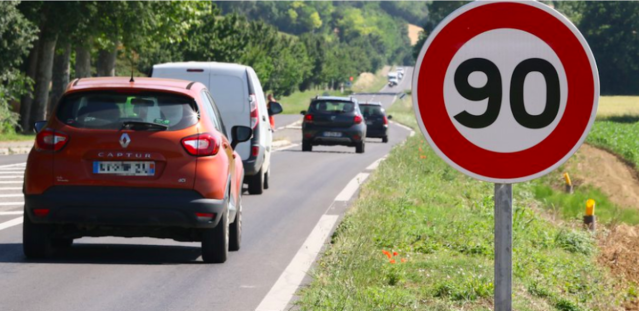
[[16, 137], [299, 101], [441, 223], [620, 136], [375, 85]]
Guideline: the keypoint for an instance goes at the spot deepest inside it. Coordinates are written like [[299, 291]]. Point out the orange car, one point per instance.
[[143, 158]]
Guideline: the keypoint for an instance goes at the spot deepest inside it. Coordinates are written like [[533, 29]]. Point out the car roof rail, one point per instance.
[[188, 87], [76, 81]]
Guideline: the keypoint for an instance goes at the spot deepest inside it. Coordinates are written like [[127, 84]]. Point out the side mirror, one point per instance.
[[274, 108], [390, 117], [39, 125], [240, 134], [303, 112]]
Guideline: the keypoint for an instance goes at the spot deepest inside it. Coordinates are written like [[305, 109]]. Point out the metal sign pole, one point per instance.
[[503, 246]]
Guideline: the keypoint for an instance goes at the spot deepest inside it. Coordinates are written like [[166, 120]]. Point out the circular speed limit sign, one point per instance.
[[505, 91]]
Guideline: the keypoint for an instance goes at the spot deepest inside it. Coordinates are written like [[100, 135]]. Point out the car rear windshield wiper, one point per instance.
[[145, 125]]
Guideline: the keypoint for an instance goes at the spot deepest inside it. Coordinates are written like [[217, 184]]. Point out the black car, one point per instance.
[[333, 121], [376, 120]]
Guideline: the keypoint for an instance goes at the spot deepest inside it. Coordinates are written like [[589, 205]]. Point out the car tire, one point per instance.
[[306, 146], [256, 183], [215, 241], [235, 231], [36, 242], [359, 148], [385, 139], [61, 242], [267, 176]]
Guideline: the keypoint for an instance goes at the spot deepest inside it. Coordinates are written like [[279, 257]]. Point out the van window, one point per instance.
[[209, 105], [230, 93], [109, 109]]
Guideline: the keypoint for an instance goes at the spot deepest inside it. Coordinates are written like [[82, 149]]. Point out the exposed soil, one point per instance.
[[620, 252], [413, 33], [607, 172]]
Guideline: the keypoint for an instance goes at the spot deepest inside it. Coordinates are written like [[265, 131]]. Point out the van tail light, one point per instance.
[[358, 119], [385, 120], [41, 212], [255, 150], [51, 140], [255, 117], [308, 118], [200, 145]]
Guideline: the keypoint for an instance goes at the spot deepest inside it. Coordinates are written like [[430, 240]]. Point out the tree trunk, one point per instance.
[[60, 77], [83, 59], [43, 77], [106, 61], [27, 99]]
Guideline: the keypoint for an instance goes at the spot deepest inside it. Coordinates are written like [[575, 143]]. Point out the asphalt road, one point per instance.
[[150, 274]]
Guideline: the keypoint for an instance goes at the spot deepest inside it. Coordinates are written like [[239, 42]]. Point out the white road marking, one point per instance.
[[375, 164], [285, 287], [11, 195], [10, 188], [351, 187], [11, 213], [287, 147], [11, 223], [23, 164], [11, 182], [11, 176], [11, 203], [11, 172]]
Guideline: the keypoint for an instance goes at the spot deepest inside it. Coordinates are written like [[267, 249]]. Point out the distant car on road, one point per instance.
[[238, 94], [148, 158], [333, 121], [400, 72], [376, 120], [393, 78]]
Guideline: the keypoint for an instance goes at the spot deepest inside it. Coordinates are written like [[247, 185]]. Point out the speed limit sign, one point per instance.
[[505, 91]]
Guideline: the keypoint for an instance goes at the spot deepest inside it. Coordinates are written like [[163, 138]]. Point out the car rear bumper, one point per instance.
[[377, 133], [349, 136], [120, 206]]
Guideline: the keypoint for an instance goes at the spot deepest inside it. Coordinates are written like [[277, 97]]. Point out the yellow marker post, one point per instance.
[[569, 188], [589, 218]]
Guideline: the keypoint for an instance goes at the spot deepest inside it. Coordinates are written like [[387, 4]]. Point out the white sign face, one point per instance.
[[496, 46], [505, 91]]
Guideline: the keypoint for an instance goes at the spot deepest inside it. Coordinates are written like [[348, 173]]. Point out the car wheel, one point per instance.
[[215, 241], [61, 242], [385, 139], [266, 178], [235, 232], [256, 183], [359, 148], [306, 146], [36, 242]]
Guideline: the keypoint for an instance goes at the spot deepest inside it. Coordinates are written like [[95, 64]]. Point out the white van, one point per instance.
[[238, 94]]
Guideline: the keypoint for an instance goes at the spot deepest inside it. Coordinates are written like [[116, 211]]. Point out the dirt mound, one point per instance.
[[413, 33], [620, 252], [605, 171], [365, 80]]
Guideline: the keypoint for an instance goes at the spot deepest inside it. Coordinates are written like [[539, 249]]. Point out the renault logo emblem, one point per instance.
[[125, 140]]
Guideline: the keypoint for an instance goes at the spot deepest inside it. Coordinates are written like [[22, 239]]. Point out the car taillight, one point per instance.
[[201, 144], [308, 118], [255, 150], [41, 212], [385, 120], [51, 140], [255, 118], [358, 119]]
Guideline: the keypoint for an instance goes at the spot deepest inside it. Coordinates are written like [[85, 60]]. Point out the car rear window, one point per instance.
[[109, 109], [371, 110], [331, 107]]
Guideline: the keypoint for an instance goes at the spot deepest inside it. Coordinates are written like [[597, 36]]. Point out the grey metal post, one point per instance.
[[503, 246]]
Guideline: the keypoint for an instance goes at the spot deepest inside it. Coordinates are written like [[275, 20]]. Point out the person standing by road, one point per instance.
[[271, 119]]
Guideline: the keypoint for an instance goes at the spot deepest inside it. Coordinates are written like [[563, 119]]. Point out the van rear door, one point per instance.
[[231, 97]]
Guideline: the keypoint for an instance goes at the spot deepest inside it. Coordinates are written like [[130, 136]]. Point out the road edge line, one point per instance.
[[11, 223]]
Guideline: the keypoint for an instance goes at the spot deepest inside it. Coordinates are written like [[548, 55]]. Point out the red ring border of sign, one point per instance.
[[581, 106]]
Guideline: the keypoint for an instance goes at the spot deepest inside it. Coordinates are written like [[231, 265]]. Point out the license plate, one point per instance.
[[332, 134], [369, 122], [128, 168]]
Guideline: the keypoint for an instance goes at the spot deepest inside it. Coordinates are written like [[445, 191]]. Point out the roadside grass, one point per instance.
[[12, 136], [621, 138], [402, 112], [299, 101], [371, 83], [440, 224]]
